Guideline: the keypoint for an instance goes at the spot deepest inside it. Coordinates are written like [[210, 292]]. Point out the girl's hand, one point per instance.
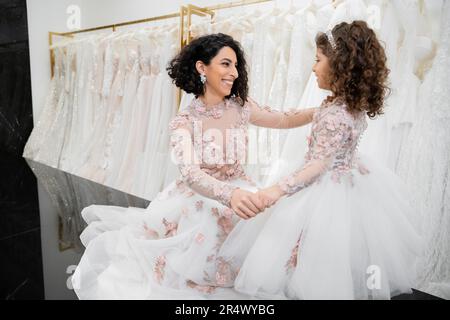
[[269, 196], [246, 204]]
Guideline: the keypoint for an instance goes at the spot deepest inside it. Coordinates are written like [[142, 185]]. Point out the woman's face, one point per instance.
[[220, 73], [322, 70]]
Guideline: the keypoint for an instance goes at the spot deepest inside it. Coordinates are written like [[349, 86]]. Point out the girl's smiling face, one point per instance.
[[322, 70]]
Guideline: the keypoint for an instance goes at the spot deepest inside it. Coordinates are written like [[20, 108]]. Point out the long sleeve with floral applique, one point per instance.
[[269, 118], [330, 142], [188, 163]]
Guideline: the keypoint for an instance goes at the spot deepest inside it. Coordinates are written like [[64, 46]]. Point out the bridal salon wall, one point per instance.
[[64, 16], [20, 234]]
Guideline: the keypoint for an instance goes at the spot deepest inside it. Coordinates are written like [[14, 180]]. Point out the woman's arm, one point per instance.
[[266, 117], [243, 202]]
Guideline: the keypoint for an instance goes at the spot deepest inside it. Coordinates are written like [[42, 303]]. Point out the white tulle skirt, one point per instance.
[[347, 239], [166, 251]]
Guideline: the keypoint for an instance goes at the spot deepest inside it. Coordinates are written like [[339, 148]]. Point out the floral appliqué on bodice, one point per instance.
[[332, 146], [209, 146]]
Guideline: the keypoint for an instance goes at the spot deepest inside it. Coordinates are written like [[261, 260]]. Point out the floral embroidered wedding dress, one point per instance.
[[169, 250]]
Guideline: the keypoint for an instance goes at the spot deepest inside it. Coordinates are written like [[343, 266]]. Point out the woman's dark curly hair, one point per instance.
[[358, 67], [185, 75]]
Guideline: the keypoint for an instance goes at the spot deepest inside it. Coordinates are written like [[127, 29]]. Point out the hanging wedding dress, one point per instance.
[[50, 109], [158, 166], [163, 106], [428, 174], [50, 146], [261, 77], [127, 170], [144, 96], [295, 142], [377, 136], [124, 123], [301, 56], [95, 159]]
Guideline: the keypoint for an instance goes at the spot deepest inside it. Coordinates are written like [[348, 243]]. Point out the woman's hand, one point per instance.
[[269, 196], [246, 204]]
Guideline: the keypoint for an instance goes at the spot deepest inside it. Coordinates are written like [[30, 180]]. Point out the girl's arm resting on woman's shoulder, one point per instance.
[[266, 117]]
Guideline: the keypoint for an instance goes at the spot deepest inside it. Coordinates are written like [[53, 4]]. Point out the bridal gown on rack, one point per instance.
[[428, 175], [49, 111], [95, 158], [301, 56], [344, 219], [163, 108], [124, 119], [132, 146], [158, 164], [52, 141], [134, 165], [265, 37]]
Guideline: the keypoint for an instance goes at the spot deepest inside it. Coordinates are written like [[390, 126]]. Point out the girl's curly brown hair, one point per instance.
[[358, 67], [185, 76]]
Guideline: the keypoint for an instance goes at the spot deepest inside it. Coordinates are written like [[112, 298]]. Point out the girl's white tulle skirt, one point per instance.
[[352, 239]]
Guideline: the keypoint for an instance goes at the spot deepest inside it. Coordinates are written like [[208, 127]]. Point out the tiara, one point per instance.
[[331, 39]]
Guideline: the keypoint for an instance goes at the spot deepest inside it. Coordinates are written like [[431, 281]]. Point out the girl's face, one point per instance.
[[220, 73], [322, 70]]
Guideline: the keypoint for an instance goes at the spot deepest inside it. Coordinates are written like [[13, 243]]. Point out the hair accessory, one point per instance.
[[330, 38]]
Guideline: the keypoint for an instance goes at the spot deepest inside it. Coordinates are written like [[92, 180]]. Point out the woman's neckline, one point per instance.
[[214, 110]]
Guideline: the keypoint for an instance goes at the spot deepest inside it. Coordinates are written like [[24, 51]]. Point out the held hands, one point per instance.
[[248, 204], [270, 195]]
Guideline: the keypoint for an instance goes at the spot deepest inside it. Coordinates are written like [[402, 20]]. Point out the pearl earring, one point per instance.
[[203, 78]]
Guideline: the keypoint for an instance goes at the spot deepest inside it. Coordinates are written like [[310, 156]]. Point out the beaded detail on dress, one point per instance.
[[215, 111]]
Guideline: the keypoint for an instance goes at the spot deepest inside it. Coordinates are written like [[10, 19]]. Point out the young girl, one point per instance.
[[169, 250], [342, 232]]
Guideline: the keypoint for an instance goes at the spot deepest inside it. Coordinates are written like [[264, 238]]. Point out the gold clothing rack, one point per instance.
[[185, 11], [235, 4], [110, 26]]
